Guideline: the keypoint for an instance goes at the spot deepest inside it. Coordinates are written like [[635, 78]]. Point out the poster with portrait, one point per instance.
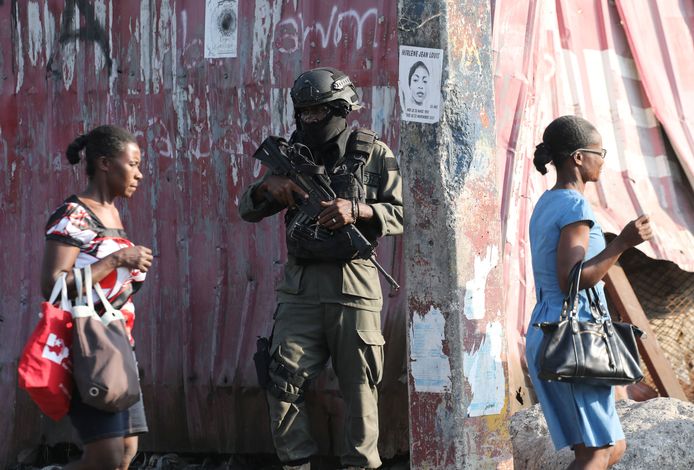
[[419, 83], [221, 26]]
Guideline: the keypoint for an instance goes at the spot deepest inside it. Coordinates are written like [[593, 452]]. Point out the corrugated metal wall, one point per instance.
[[69, 66], [574, 57]]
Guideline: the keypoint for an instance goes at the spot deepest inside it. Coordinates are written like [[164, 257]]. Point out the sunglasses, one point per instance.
[[601, 152]]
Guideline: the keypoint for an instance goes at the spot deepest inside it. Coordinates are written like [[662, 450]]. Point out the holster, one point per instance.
[[261, 358]]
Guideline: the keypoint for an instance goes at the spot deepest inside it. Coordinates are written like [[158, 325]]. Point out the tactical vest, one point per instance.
[[317, 243]]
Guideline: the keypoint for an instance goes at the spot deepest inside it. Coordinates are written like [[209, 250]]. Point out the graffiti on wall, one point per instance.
[[93, 29], [70, 65], [303, 38], [294, 33]]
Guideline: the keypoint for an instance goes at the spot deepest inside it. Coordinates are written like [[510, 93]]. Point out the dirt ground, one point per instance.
[[52, 457]]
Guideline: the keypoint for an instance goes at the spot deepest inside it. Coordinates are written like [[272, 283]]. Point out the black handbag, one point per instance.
[[596, 352]]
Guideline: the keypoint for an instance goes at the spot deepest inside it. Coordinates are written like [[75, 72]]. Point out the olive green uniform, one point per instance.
[[332, 309]]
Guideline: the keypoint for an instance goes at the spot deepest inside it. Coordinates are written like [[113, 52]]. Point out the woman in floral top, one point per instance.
[[87, 230]]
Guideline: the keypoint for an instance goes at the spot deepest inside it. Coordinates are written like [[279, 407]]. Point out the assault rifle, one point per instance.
[[294, 161]]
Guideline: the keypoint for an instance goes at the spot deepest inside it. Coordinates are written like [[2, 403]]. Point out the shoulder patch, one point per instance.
[[372, 179], [362, 141], [391, 164]]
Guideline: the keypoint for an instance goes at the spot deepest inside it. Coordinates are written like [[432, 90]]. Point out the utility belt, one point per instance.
[[316, 261]]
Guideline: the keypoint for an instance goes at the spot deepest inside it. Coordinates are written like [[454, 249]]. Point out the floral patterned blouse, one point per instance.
[[73, 223]]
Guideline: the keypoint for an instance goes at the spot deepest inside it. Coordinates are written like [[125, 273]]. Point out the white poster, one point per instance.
[[221, 26], [484, 371], [431, 369], [420, 83]]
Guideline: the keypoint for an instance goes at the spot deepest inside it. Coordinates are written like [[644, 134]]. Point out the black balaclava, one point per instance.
[[316, 134]]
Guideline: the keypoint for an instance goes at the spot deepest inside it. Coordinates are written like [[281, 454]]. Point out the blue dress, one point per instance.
[[575, 413]]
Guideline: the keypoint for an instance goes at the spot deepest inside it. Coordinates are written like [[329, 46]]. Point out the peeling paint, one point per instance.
[[18, 49], [184, 27], [197, 122], [475, 287], [484, 372], [164, 42], [99, 53], [49, 30], [69, 51], [382, 108], [430, 366], [3, 149], [144, 29], [179, 100], [114, 68], [282, 111], [35, 31], [482, 157], [452, 235], [257, 166], [264, 21]]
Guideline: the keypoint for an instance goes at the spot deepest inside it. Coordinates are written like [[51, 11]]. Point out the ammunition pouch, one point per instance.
[[274, 376], [285, 385]]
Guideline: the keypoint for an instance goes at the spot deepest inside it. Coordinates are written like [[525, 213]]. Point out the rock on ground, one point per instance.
[[659, 435]]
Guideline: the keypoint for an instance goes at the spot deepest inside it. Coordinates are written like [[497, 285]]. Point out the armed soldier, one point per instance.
[[330, 300]]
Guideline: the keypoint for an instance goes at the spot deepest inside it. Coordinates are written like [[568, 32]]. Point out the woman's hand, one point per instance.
[[60, 258], [337, 213], [636, 232], [134, 257], [573, 244]]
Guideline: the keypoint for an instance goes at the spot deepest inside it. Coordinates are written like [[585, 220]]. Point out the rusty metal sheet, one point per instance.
[[69, 66], [573, 57]]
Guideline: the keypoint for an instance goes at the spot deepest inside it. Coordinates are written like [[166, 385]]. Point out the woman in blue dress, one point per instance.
[[564, 231]]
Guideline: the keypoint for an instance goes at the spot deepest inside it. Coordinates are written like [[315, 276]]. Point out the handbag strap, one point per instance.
[[570, 305], [111, 314], [84, 288], [571, 300], [597, 305], [60, 287], [77, 273], [88, 286]]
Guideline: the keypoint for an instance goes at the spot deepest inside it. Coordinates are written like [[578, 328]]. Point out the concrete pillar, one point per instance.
[[457, 367]]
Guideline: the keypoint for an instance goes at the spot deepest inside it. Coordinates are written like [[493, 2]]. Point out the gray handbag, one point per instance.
[[596, 352], [104, 366]]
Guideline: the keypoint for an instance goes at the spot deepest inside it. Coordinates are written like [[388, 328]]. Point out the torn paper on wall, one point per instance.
[[485, 373], [430, 368]]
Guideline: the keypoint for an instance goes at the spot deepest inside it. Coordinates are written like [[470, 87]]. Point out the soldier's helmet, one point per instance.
[[324, 85]]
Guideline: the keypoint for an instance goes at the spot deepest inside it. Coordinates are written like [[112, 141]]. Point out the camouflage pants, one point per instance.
[[304, 337]]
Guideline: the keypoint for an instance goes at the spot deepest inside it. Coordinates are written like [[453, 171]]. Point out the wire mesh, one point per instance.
[[666, 294]]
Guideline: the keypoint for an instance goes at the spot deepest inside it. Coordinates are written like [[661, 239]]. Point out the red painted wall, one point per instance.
[[66, 67]]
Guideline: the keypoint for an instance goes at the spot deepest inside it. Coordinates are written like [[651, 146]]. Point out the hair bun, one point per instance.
[[543, 155], [74, 149]]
